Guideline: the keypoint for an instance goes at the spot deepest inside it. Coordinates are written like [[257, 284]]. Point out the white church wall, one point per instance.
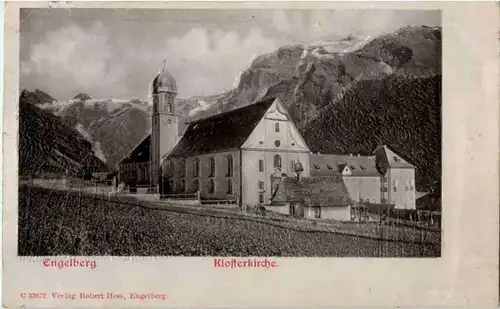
[[252, 174], [364, 187]]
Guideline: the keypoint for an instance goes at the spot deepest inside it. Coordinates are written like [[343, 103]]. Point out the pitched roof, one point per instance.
[[387, 158], [332, 165], [140, 153], [225, 131], [313, 191]]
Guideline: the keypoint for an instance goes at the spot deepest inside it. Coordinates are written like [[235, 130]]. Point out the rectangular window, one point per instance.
[[212, 167], [277, 127], [292, 166], [261, 165], [261, 198], [261, 185], [196, 167], [229, 159]]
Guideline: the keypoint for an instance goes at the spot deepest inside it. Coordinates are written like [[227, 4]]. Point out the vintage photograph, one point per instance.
[[234, 132]]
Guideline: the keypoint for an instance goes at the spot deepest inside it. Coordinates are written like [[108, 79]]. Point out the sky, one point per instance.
[[115, 53]]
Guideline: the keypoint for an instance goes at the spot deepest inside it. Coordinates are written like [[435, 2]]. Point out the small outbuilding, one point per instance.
[[312, 197]]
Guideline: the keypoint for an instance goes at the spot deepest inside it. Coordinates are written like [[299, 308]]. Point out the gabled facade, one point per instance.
[[234, 154], [274, 147], [398, 177]]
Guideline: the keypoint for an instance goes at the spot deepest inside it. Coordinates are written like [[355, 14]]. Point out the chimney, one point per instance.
[[350, 155], [359, 155]]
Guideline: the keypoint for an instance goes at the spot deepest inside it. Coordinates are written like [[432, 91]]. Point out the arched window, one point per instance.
[[196, 185], [212, 167], [183, 168], [169, 122], [277, 161], [183, 185], [229, 166], [277, 127], [171, 168], [229, 186], [169, 102], [196, 167], [211, 186]]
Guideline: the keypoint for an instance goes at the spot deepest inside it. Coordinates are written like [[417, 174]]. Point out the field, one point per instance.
[[53, 222]]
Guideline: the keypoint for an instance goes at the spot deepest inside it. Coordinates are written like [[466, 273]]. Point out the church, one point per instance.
[[256, 155]]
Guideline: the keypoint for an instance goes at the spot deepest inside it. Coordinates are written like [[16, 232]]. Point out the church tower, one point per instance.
[[164, 126]]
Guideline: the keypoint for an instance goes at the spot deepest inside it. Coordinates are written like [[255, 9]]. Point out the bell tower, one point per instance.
[[164, 123]]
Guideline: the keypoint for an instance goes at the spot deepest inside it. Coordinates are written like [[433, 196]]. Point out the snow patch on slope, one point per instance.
[[358, 45], [96, 146], [56, 107], [203, 106]]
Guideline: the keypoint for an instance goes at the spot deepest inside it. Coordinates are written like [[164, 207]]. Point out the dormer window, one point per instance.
[[316, 166], [396, 159], [329, 167], [346, 170]]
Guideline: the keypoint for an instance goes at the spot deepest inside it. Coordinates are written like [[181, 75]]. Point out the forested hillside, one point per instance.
[[47, 145], [402, 111]]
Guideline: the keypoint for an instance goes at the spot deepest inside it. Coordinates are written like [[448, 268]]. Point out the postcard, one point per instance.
[[250, 154]]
